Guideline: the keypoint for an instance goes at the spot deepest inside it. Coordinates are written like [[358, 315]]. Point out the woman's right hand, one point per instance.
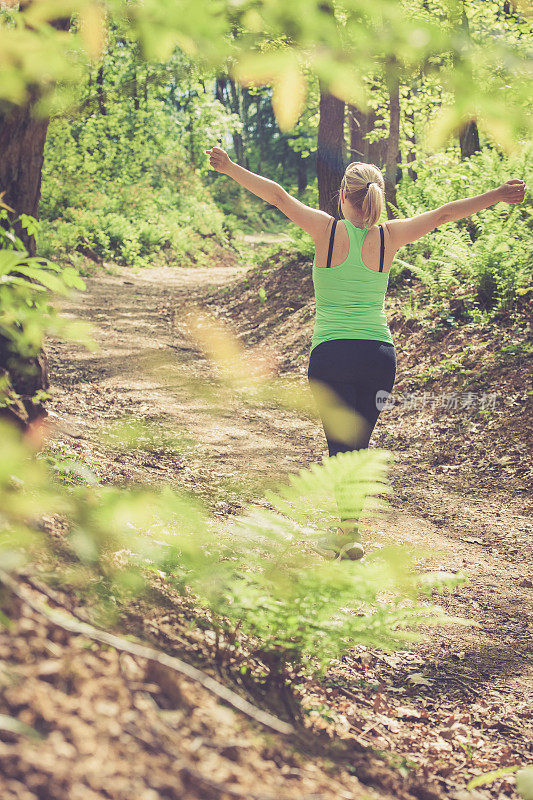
[[512, 191]]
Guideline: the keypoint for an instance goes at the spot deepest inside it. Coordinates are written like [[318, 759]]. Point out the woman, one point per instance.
[[352, 351]]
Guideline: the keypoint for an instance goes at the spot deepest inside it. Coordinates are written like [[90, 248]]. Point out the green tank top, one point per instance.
[[350, 297]]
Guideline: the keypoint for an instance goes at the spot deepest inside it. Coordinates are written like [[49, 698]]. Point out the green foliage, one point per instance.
[[27, 286], [524, 783], [297, 610], [481, 55], [301, 242], [122, 176], [14, 725], [259, 573], [132, 225], [484, 260], [243, 211]]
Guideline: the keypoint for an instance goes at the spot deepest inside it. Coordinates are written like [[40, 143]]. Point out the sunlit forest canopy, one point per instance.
[[478, 54]]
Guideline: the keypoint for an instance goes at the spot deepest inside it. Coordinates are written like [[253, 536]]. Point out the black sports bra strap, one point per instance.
[[382, 248], [331, 237]]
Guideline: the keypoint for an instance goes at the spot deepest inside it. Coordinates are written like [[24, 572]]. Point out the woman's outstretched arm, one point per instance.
[[311, 220], [404, 231]]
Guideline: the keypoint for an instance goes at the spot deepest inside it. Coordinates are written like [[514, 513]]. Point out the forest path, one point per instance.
[[466, 686], [265, 237]]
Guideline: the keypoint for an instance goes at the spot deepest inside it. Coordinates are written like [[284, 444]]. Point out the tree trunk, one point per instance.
[[411, 138], [235, 105], [302, 174], [219, 90], [361, 125], [100, 90], [469, 139], [246, 102], [468, 135], [393, 141], [330, 151], [358, 122], [22, 140], [411, 157], [135, 89]]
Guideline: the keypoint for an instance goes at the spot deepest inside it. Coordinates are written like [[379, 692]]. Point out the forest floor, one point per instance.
[[418, 723]]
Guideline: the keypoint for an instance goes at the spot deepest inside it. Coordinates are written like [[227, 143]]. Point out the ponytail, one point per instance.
[[372, 205], [364, 186]]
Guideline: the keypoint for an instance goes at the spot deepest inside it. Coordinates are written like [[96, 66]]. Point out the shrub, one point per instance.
[[128, 199], [27, 285], [488, 250]]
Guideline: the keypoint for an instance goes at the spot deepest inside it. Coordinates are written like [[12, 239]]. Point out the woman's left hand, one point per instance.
[[219, 159]]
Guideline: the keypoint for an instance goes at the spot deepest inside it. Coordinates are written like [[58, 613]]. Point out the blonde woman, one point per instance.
[[352, 350]]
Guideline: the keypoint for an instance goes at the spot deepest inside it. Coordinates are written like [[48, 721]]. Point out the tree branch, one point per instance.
[[142, 651]]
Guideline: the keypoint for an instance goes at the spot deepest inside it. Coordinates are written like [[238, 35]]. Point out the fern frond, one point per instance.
[[351, 479]]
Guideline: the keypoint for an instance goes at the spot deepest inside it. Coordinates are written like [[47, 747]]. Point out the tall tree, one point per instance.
[[361, 148], [410, 135], [358, 126], [22, 140], [468, 133], [330, 151], [393, 142], [100, 89], [235, 97]]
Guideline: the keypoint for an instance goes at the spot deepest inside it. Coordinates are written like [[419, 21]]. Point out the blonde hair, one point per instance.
[[370, 200]]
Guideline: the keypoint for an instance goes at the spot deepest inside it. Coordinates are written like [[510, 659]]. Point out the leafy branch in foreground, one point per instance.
[[27, 288]]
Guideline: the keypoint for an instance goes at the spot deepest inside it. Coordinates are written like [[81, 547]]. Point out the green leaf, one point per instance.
[[5, 620], [9, 259], [14, 280], [14, 725], [72, 278], [46, 278], [490, 777], [524, 783], [30, 224]]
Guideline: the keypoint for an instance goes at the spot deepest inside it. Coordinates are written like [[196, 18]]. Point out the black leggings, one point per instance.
[[361, 373]]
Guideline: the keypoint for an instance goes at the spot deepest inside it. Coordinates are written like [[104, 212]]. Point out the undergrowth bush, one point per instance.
[[242, 210], [296, 611], [487, 257], [127, 186], [132, 225]]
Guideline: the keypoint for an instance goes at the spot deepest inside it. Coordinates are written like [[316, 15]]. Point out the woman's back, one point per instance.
[[350, 295]]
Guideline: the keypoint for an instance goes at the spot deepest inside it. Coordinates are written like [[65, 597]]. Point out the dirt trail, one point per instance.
[[477, 678]]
